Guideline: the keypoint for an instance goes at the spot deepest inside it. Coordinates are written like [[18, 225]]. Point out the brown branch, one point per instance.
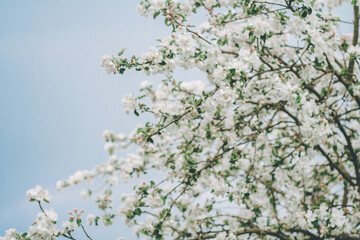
[[351, 149], [87, 235], [354, 43], [342, 171], [257, 231], [311, 235], [345, 196]]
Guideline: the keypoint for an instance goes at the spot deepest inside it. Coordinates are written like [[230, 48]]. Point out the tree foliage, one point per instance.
[[266, 148]]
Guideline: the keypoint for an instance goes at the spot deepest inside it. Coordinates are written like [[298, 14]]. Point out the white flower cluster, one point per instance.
[[38, 194], [129, 103], [265, 146], [107, 63], [76, 178], [10, 234], [45, 227]]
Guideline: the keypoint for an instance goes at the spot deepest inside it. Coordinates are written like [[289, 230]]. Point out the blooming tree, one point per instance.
[[267, 148]]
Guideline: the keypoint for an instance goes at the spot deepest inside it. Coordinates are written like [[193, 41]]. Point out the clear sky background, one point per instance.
[[55, 100]]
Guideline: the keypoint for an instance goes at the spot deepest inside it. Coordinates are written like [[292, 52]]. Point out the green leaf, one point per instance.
[[323, 92], [121, 52], [167, 22], [122, 70], [156, 14], [162, 63], [137, 211], [309, 11], [164, 199]]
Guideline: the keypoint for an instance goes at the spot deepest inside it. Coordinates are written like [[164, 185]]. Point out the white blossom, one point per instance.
[[38, 194], [107, 64]]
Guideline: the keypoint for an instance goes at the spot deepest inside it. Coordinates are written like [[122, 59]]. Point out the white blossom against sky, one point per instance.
[[56, 100]]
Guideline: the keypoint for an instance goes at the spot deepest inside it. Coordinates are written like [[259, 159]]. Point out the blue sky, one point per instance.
[[55, 100]]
